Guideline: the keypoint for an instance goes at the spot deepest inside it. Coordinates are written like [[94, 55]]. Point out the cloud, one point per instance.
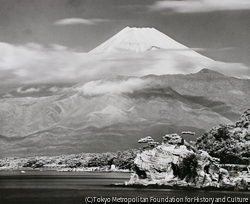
[[35, 64], [218, 49], [74, 21], [199, 6], [112, 87], [8, 95], [29, 90], [236, 92], [54, 89]]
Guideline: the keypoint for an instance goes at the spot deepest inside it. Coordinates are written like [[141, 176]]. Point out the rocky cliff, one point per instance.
[[179, 164]]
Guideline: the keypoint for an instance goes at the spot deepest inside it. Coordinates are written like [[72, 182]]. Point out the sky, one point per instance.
[[46, 41]]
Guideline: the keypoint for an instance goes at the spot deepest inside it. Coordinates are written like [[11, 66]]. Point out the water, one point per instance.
[[75, 187]]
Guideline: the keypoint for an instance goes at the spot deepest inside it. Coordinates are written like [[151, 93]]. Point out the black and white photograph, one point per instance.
[[124, 101]]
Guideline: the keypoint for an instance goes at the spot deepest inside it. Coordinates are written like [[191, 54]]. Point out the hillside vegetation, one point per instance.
[[74, 162], [230, 143]]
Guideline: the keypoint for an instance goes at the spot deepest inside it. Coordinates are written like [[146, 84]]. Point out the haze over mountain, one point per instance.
[[131, 52], [112, 113]]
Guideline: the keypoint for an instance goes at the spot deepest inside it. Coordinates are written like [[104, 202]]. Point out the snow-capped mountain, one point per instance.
[[144, 51], [141, 40]]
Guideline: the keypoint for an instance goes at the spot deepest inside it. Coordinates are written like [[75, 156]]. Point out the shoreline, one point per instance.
[[190, 187], [97, 169]]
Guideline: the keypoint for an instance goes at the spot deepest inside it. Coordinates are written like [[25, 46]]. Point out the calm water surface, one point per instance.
[[74, 187]]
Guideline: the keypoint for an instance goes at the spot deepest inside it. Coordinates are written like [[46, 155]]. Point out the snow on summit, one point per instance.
[[140, 40], [143, 51]]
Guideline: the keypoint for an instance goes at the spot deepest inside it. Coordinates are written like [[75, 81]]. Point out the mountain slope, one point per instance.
[[211, 89], [113, 113]]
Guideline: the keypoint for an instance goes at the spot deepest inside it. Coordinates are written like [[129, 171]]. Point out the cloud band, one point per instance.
[[74, 21]]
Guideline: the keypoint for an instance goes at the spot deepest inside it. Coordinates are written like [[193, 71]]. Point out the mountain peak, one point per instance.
[[136, 28], [140, 40], [130, 39], [210, 72]]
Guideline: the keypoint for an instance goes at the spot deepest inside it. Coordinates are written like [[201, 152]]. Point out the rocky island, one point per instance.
[[177, 163]]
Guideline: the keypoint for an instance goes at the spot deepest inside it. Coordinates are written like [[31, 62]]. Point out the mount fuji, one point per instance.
[[141, 40], [143, 51]]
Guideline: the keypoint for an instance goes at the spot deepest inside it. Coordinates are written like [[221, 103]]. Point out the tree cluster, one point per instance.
[[230, 143]]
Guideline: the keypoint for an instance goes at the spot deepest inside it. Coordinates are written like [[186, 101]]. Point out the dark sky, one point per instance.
[[217, 29]]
